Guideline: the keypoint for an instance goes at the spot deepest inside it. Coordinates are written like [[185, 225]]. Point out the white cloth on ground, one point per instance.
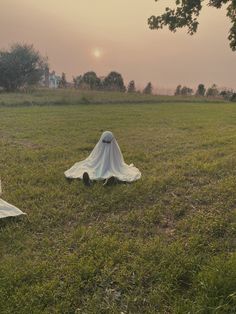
[[8, 210], [105, 161]]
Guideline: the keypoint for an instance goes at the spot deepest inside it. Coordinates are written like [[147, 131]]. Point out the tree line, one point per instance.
[[22, 66], [212, 91], [112, 82]]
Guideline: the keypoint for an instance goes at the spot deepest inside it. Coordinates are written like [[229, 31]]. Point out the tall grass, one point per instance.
[[44, 97]]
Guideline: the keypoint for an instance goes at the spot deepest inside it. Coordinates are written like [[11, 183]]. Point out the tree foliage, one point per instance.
[[77, 80], [212, 91], [114, 82], [148, 89], [88, 80], [186, 14], [20, 66], [233, 97], [227, 94], [184, 91], [63, 82], [178, 90], [201, 90], [91, 80], [131, 87]]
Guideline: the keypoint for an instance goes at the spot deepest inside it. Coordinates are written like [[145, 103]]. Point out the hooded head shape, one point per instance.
[[106, 154], [107, 137], [105, 161]]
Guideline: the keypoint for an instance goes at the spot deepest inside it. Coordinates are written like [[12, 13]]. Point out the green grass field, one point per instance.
[[164, 244], [45, 97]]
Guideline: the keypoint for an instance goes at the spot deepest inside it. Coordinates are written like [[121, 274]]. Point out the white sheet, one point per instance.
[[8, 210], [105, 161]]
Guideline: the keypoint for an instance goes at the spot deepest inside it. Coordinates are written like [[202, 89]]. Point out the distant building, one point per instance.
[[50, 79], [54, 80]]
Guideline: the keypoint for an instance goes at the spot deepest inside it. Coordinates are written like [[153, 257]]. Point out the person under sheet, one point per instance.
[[8, 210], [104, 163]]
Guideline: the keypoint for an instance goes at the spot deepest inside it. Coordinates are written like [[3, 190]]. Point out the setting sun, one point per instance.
[[97, 53]]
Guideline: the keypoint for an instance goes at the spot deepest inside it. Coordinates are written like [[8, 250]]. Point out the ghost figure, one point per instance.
[[104, 162], [6, 209]]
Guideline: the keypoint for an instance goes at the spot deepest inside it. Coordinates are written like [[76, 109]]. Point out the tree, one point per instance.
[[186, 14], [148, 89], [21, 66], [178, 90], [227, 94], [186, 91], [201, 90], [77, 80], [114, 82], [131, 87], [91, 80], [63, 82], [233, 97], [212, 91]]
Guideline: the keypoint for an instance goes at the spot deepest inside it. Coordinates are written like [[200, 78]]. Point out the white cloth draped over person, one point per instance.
[[8, 210], [104, 162]]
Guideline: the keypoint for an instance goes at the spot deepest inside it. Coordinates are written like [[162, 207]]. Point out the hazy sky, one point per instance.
[[105, 35]]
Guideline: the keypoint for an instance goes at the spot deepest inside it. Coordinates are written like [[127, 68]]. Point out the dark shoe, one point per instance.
[[110, 181], [69, 180], [86, 179]]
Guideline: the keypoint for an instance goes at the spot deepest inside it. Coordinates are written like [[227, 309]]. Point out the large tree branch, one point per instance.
[[186, 14]]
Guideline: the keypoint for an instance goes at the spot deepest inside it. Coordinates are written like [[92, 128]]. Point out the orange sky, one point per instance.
[[70, 32]]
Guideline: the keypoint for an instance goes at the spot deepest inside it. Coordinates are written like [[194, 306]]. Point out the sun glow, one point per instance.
[[97, 53]]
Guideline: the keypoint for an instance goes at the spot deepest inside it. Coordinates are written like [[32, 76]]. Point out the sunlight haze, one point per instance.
[[105, 35]]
